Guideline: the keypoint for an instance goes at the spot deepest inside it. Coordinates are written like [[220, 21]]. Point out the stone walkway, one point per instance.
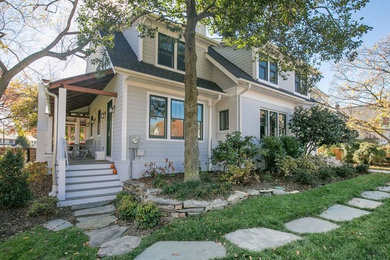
[[99, 224]]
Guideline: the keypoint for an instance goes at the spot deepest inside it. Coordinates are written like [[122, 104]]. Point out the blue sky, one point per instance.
[[377, 15]]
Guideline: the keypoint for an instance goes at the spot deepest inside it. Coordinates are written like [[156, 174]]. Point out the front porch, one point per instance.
[[82, 139]]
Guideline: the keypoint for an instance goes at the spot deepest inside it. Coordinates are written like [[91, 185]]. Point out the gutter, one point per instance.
[[53, 192], [210, 129]]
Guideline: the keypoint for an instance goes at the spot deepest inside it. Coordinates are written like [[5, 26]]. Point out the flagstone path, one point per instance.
[[98, 222]]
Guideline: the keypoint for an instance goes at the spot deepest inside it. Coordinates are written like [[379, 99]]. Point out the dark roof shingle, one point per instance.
[[123, 56], [239, 73]]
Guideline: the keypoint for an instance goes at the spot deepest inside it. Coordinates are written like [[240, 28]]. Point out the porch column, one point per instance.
[[77, 131], [69, 130], [61, 150]]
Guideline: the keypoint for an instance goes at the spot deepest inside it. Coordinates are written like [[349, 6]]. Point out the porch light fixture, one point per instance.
[[103, 114], [112, 109]]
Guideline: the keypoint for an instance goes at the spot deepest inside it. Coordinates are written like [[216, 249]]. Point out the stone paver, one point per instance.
[[181, 250], [258, 239], [384, 188], [95, 221], [119, 246], [95, 211], [91, 205], [57, 224], [375, 195], [102, 235], [339, 212], [364, 204], [310, 225]]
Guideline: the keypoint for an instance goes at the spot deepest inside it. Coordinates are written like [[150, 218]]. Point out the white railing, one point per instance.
[[66, 155]]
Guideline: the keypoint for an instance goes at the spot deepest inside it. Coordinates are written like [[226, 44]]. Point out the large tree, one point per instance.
[[295, 33], [362, 89]]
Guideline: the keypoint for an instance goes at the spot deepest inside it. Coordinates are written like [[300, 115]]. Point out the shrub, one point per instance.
[[22, 141], [286, 165], [240, 175], [361, 168], [126, 207], [311, 163], [348, 151], [37, 176], [122, 194], [197, 189], [147, 215], [369, 153], [305, 177], [235, 150], [326, 173], [271, 149], [159, 181], [154, 170], [45, 206], [14, 188], [292, 146], [327, 150], [345, 170]]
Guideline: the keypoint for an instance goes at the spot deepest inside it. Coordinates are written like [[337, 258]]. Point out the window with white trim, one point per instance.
[[300, 85], [158, 118], [272, 123], [169, 48], [224, 120], [268, 71]]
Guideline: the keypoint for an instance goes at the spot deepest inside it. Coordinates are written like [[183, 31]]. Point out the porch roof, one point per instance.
[[82, 89]]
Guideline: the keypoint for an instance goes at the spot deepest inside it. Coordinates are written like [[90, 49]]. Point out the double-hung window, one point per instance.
[[224, 120], [282, 124], [272, 123], [158, 117], [263, 123], [168, 49], [177, 119], [268, 71], [300, 85]]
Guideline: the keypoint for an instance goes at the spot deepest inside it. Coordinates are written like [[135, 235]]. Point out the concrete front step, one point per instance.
[[92, 185], [88, 179], [97, 192], [93, 172], [89, 166], [79, 201]]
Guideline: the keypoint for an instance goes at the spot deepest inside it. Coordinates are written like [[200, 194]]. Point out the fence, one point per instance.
[[29, 153]]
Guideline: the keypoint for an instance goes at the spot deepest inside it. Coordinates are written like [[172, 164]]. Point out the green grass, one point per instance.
[[364, 238], [39, 243]]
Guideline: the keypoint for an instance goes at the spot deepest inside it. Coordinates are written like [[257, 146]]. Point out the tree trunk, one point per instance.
[[191, 148]]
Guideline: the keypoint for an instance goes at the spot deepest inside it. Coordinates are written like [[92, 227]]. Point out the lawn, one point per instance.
[[364, 238]]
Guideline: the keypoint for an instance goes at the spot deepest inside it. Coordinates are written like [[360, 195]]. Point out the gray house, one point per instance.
[[133, 116]]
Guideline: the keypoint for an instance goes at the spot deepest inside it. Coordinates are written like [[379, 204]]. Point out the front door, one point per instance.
[[109, 128]]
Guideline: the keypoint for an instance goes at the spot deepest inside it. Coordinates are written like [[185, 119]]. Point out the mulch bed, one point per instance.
[[14, 220]]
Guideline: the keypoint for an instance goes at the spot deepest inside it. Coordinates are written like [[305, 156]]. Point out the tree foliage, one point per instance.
[[318, 126], [363, 89]]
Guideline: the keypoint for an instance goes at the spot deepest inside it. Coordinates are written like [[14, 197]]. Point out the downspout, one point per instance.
[[240, 105], [53, 167], [210, 121]]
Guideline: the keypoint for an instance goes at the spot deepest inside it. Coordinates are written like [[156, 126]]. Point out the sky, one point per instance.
[[377, 15]]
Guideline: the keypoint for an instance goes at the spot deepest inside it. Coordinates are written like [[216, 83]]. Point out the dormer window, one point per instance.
[[300, 85], [168, 48], [268, 71]]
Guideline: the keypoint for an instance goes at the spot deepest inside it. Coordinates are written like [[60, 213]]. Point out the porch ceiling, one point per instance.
[[77, 100]]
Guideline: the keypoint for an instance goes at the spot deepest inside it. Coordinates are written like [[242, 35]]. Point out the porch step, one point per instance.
[[71, 202], [92, 178], [92, 192], [89, 166], [81, 173], [92, 185]]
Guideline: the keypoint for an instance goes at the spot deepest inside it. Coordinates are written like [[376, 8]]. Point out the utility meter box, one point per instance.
[[133, 142]]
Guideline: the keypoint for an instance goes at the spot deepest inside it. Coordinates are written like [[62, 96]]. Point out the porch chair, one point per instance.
[[86, 150]]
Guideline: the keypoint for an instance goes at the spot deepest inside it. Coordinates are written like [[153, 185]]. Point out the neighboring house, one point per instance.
[[139, 103], [9, 140], [367, 114]]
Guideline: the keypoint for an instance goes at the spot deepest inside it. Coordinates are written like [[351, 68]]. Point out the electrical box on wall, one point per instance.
[[133, 142], [140, 152]]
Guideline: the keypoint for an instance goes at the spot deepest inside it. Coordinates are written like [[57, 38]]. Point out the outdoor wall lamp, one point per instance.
[[112, 109], [103, 114]]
